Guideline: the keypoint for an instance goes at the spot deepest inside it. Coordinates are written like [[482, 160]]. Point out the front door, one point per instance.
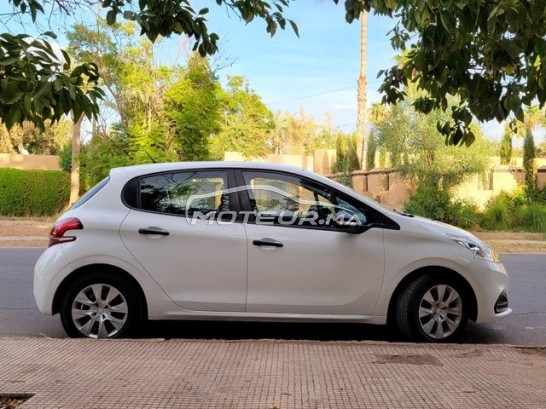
[[299, 260]]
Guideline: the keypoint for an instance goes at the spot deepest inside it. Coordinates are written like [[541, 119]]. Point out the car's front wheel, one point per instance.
[[432, 309], [101, 305]]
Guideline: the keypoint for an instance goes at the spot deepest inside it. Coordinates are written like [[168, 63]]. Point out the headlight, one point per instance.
[[480, 249]]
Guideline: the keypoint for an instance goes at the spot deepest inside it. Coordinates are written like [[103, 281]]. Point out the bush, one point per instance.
[[438, 205], [533, 217], [523, 210], [498, 213], [34, 193], [65, 158]]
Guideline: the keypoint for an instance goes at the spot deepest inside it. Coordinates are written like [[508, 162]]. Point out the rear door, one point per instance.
[[201, 264]]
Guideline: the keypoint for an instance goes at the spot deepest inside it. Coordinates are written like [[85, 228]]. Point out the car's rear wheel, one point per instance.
[[101, 305], [432, 309]]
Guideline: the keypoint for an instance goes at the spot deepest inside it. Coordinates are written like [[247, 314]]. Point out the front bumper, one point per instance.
[[490, 283]]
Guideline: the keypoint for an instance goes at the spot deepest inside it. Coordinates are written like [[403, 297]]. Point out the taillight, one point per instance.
[[56, 235]]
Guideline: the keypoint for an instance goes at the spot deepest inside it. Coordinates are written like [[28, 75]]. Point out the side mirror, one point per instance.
[[348, 222]]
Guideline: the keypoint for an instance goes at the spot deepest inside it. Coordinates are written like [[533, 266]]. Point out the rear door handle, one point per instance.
[[267, 242], [153, 230]]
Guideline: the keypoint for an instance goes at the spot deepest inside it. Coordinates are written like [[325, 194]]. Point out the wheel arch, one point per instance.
[[439, 271], [89, 269]]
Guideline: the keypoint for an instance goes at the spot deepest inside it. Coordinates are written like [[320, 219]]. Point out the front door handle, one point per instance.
[[267, 242], [153, 230]]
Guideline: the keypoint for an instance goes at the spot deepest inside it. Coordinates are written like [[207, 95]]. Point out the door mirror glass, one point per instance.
[[347, 221]]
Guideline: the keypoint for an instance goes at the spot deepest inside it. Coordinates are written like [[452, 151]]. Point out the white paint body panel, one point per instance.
[[201, 267], [315, 272]]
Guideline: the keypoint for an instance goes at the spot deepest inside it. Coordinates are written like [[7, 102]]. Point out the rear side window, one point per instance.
[[181, 192], [92, 192]]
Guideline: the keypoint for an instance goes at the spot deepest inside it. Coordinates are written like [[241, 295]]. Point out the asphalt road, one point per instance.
[[526, 326]]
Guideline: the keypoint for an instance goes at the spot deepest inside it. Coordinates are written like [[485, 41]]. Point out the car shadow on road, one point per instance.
[[475, 334], [266, 330]]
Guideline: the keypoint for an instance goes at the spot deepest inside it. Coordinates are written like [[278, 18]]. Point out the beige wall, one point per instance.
[[16, 161], [541, 177]]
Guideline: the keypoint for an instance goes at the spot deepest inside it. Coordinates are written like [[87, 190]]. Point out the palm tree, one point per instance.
[[361, 132]]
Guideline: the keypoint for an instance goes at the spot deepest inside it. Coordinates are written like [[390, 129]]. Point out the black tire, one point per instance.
[[432, 309], [118, 313]]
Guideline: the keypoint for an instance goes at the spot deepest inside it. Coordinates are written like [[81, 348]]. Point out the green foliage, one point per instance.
[[48, 141], [516, 211], [35, 193], [246, 122], [372, 150], [102, 154], [438, 205], [413, 145], [301, 134], [65, 158], [533, 217], [178, 17], [506, 147], [36, 86], [192, 109], [490, 54], [346, 159], [498, 213], [529, 155], [536, 195]]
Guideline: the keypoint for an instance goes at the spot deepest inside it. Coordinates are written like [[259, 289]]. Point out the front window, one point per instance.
[[292, 201]]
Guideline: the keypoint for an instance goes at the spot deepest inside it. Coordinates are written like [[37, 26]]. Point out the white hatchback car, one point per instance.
[[262, 242]]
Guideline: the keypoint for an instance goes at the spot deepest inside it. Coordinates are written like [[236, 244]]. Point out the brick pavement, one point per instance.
[[68, 373]]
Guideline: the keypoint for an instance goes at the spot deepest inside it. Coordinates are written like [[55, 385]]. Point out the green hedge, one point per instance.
[[35, 193]]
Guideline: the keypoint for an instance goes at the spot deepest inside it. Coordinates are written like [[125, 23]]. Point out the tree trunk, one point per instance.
[[361, 132], [75, 172]]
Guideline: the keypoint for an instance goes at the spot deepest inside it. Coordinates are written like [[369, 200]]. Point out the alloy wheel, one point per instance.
[[440, 311], [99, 311]]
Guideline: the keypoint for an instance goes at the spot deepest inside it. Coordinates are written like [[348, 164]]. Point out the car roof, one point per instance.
[[131, 171]]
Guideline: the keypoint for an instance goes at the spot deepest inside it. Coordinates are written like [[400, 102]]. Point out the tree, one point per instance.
[[529, 154], [362, 137], [302, 134], [371, 151], [541, 149], [134, 86], [76, 147], [414, 148], [246, 123], [37, 85], [192, 110], [347, 159], [27, 137], [491, 55], [506, 146]]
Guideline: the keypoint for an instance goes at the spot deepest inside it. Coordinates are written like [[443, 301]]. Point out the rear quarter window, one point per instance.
[[91, 192]]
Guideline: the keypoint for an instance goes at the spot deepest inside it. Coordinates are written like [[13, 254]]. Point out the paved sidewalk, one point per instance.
[[68, 373]]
